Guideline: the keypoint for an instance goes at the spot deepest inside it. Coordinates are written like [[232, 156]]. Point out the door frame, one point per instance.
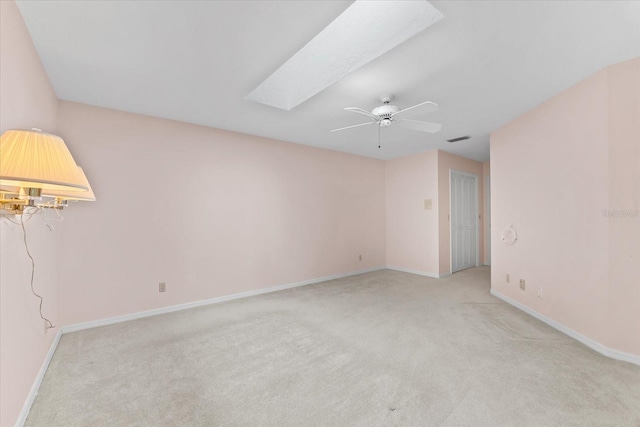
[[477, 219], [487, 220]]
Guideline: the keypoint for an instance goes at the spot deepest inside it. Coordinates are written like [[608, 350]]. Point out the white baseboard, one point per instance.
[[594, 345], [172, 308], [22, 417], [418, 272]]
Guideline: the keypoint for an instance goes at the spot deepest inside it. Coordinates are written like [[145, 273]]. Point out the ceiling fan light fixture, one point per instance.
[[363, 32]]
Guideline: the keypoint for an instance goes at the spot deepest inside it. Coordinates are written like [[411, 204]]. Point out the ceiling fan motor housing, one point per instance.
[[385, 111]]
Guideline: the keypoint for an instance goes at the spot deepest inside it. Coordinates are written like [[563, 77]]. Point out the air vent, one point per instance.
[[462, 138]]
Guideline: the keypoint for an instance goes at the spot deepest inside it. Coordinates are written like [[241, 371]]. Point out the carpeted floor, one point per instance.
[[379, 349]]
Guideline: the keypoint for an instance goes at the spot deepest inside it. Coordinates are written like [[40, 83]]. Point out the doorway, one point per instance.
[[487, 220], [464, 220]]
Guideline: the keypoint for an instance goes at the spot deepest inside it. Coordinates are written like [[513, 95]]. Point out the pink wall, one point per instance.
[[623, 103], [210, 212], [419, 239], [412, 231], [26, 100], [553, 172], [446, 163]]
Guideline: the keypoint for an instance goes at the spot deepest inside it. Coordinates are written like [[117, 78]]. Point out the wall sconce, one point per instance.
[[56, 199], [37, 169]]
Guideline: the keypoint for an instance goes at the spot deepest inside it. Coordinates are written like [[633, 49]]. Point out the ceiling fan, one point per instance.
[[387, 114]]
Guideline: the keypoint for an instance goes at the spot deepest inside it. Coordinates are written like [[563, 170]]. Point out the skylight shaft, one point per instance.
[[363, 32]]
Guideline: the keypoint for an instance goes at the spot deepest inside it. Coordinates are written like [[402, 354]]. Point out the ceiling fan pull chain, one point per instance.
[[378, 136]]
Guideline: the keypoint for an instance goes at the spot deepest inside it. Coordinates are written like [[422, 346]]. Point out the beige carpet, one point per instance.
[[379, 349]]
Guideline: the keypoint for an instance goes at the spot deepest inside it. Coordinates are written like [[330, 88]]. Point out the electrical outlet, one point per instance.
[[508, 279], [360, 258], [539, 292], [162, 287], [522, 285]]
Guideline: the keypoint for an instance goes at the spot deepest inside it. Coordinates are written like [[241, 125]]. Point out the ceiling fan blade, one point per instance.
[[421, 126], [354, 126], [361, 111], [425, 107]]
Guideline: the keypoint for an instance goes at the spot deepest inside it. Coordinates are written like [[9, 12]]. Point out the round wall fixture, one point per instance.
[[509, 235]]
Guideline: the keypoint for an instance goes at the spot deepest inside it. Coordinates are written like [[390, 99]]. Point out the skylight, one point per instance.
[[363, 32]]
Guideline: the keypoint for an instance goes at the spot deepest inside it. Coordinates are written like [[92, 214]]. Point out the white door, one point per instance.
[[487, 220], [464, 220]]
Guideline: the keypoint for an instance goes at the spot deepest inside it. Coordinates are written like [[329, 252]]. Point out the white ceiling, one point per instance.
[[485, 63]]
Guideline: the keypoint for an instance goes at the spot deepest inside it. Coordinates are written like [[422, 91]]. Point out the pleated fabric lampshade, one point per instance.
[[85, 196], [32, 159], [9, 191]]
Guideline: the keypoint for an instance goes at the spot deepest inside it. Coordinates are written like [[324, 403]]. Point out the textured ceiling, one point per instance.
[[485, 63]]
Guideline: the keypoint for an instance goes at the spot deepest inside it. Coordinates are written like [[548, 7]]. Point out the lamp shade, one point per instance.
[[32, 159], [9, 191], [86, 196]]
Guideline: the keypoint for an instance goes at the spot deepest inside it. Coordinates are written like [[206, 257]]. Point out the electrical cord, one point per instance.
[[33, 271]]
